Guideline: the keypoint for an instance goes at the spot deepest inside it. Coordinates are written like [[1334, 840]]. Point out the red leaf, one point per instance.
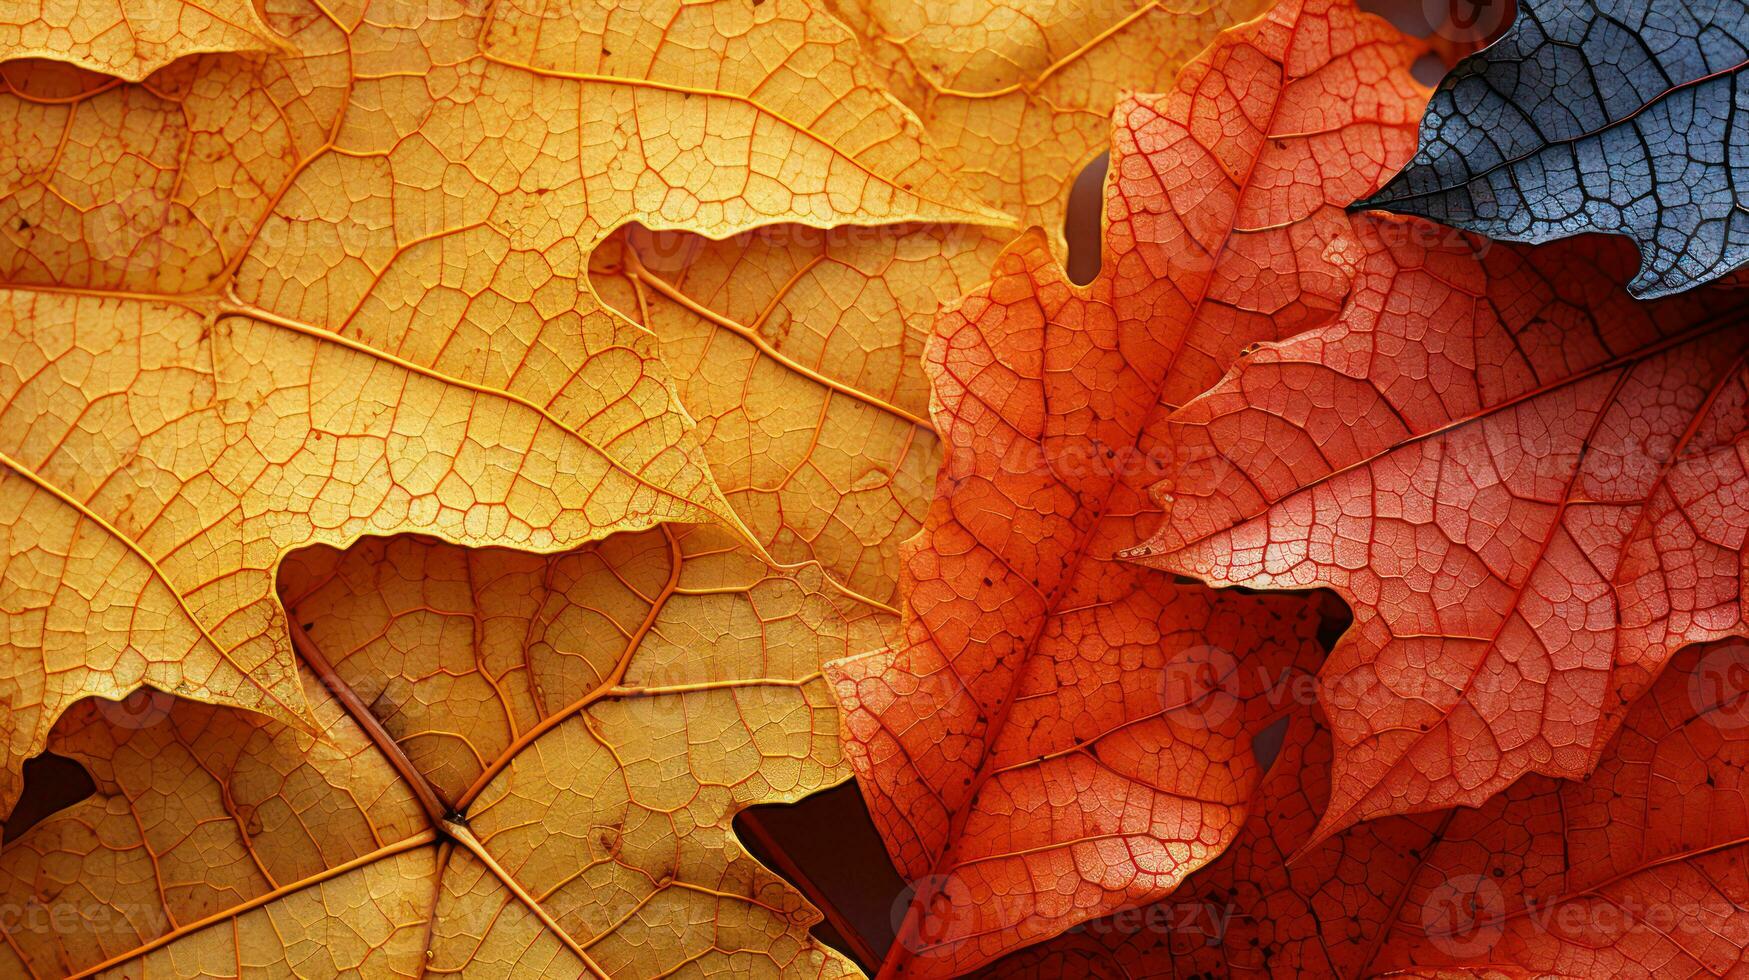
[[1250, 912], [1040, 750], [1530, 488], [1642, 870]]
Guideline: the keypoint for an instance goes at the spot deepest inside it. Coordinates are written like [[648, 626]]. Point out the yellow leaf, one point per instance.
[[130, 39], [530, 769], [799, 352], [260, 304], [1019, 93], [205, 814]]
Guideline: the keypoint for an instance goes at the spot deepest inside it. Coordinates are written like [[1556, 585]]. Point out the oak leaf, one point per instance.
[[258, 304], [1637, 871], [128, 39], [1019, 93], [529, 768], [1617, 116], [1026, 752], [1528, 486]]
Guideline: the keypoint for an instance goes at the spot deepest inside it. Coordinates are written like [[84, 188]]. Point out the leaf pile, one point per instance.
[[454, 458]]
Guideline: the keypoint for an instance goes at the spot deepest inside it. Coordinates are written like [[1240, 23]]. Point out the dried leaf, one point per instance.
[[1638, 871], [1528, 486], [1635, 872], [131, 39], [530, 770], [1041, 749], [1252, 911], [208, 815], [1019, 93], [261, 304], [1596, 115], [800, 354]]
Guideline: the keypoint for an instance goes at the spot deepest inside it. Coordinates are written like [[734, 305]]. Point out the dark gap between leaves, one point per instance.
[[1081, 226], [1266, 744], [1335, 618], [826, 846], [1428, 69], [52, 783]]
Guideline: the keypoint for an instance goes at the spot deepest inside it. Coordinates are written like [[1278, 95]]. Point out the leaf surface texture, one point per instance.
[[1618, 116], [1025, 751]]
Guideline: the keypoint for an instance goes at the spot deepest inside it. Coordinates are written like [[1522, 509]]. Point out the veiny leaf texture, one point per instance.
[[1253, 912], [800, 354], [205, 814], [129, 39], [259, 304], [1019, 93], [1620, 116], [1528, 486], [1038, 750], [529, 769], [1637, 871]]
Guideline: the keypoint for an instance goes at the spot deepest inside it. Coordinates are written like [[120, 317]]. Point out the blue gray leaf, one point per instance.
[[1618, 116]]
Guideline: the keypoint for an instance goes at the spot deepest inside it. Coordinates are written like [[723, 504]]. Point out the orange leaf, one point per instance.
[[1039, 750], [1251, 912], [1526, 484], [1638, 871], [130, 39]]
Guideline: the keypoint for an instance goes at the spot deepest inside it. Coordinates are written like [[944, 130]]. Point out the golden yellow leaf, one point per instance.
[[259, 304], [799, 353], [207, 814], [130, 39], [1019, 93], [530, 767]]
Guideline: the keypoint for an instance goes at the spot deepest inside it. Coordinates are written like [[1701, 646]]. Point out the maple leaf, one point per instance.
[[800, 353], [1527, 485], [1019, 93], [130, 40], [259, 304], [1023, 752], [529, 768], [1635, 872], [1595, 115]]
